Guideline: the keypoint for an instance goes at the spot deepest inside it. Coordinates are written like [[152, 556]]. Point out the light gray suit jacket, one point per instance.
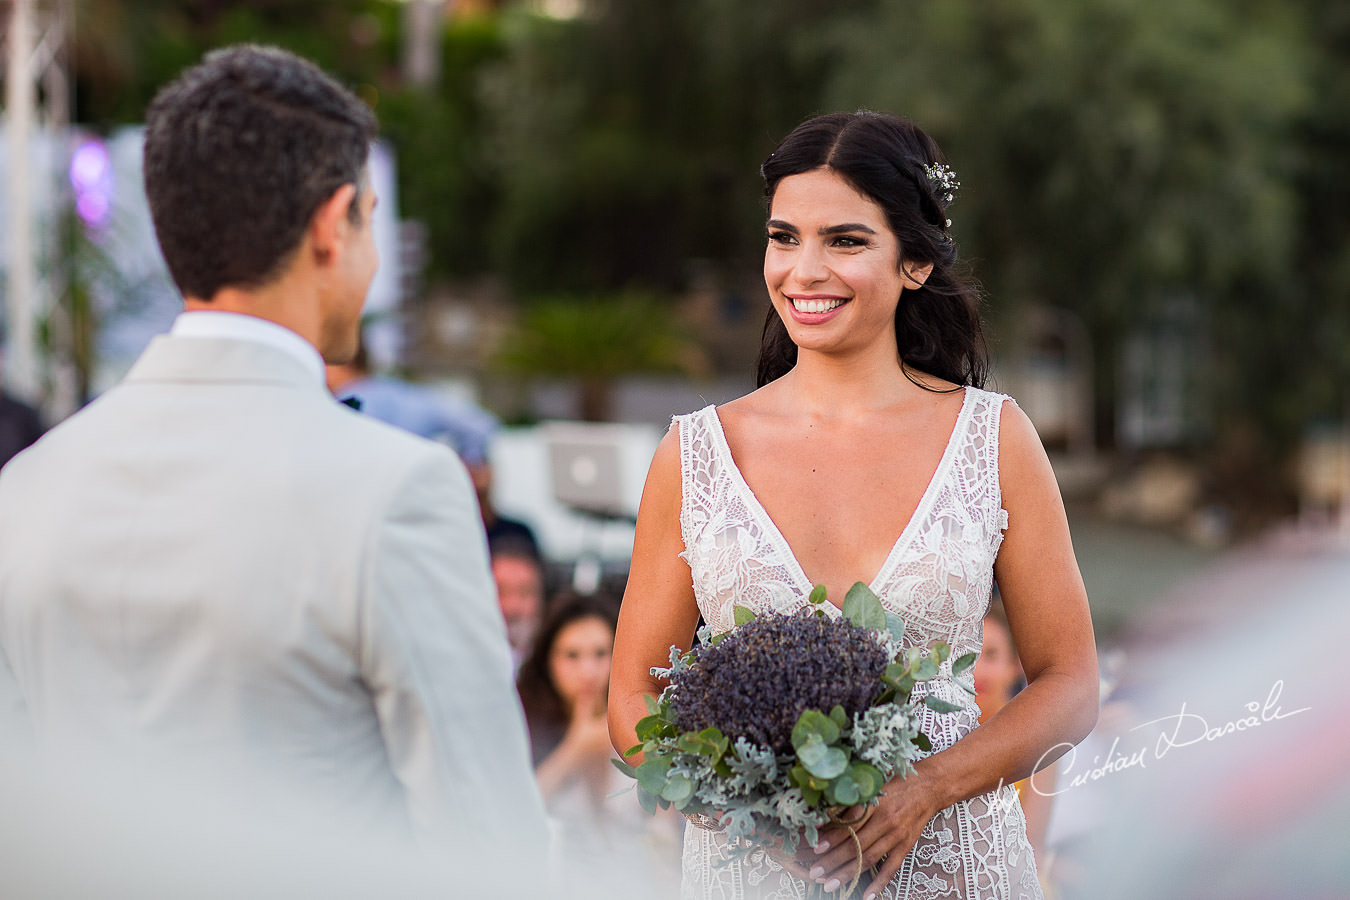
[[218, 567]]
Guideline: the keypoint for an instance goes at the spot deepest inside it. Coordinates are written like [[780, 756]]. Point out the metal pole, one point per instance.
[[20, 359], [422, 26]]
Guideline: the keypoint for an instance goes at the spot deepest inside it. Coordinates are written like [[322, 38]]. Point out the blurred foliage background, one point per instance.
[[1143, 165]]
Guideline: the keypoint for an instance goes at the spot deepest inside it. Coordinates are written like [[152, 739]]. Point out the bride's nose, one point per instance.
[[811, 265]]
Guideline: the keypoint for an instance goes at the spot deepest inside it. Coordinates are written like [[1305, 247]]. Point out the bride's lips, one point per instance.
[[813, 309]]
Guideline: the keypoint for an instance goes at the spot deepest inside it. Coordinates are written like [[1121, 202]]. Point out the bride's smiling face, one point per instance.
[[832, 265]]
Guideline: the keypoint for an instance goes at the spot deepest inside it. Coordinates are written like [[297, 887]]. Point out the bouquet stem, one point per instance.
[[852, 823]]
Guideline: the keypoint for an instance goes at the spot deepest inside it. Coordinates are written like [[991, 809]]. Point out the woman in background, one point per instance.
[[603, 834], [564, 688]]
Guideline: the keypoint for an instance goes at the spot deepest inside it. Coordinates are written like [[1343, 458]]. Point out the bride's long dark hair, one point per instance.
[[937, 326]]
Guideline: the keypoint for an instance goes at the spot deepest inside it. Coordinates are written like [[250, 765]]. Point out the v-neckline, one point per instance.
[[906, 534]]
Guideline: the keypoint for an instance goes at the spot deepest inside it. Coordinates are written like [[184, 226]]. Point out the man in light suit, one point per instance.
[[217, 573]]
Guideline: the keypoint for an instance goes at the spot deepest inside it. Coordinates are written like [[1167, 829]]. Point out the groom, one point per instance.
[[216, 572]]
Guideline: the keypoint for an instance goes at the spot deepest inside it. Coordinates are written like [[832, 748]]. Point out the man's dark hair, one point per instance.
[[240, 151]]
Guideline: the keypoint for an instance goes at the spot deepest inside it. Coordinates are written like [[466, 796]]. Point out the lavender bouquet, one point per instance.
[[776, 727]]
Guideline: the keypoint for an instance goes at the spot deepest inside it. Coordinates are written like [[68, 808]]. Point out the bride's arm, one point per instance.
[[658, 603], [1047, 609]]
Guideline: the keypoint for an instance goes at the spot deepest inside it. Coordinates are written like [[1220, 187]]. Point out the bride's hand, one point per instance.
[[797, 864], [905, 807]]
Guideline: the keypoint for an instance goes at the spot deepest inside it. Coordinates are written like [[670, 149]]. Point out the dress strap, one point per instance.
[[696, 465], [993, 404]]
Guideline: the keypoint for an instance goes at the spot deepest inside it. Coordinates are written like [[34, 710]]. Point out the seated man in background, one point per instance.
[[521, 589]]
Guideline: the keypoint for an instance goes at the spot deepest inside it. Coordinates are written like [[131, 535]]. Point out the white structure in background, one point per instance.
[[1052, 378], [578, 486], [35, 55], [134, 296]]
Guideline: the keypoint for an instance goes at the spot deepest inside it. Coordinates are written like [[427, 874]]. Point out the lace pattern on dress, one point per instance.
[[939, 577]]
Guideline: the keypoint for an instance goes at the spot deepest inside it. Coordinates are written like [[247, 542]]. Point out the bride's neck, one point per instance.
[[833, 387]]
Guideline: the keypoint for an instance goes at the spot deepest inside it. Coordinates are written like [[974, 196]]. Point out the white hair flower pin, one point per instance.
[[943, 179], [944, 182]]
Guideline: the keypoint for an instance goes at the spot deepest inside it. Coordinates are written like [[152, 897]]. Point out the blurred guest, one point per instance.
[[519, 574], [500, 529], [564, 687], [20, 426], [462, 425], [415, 408], [998, 677]]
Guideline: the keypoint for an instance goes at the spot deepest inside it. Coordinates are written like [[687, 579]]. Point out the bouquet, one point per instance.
[[777, 727]]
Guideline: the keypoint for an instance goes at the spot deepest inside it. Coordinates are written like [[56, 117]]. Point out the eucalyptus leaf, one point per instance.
[[803, 779], [843, 791], [923, 743], [818, 595], [822, 761], [689, 742], [743, 614], [862, 608], [651, 775], [937, 704], [811, 752], [653, 706], [814, 724], [942, 650], [926, 669], [964, 662], [868, 778], [648, 802], [678, 790], [895, 624], [839, 716], [624, 767], [649, 727]]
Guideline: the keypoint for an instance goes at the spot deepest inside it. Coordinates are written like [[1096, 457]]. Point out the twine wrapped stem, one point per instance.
[[852, 823]]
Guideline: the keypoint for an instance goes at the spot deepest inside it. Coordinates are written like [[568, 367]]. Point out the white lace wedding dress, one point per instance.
[[938, 576]]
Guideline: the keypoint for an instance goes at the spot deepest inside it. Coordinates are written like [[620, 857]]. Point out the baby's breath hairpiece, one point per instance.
[[944, 181], [945, 185]]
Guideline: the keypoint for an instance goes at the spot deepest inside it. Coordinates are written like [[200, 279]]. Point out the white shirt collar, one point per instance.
[[238, 326]]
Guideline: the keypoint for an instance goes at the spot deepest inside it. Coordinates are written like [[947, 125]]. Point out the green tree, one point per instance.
[[595, 340], [125, 50], [1116, 155], [629, 140]]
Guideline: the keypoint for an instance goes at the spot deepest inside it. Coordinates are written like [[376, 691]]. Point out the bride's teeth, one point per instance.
[[815, 306]]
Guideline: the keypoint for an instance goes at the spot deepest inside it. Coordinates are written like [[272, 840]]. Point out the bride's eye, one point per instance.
[[784, 238]]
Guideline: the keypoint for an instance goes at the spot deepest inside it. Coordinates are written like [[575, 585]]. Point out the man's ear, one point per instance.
[[330, 225], [915, 275]]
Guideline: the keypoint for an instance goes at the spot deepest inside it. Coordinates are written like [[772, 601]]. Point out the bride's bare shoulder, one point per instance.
[[762, 403]]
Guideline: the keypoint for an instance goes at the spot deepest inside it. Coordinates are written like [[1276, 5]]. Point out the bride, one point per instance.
[[870, 423]]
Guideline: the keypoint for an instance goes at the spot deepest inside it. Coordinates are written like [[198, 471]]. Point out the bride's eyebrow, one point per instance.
[[847, 228]]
